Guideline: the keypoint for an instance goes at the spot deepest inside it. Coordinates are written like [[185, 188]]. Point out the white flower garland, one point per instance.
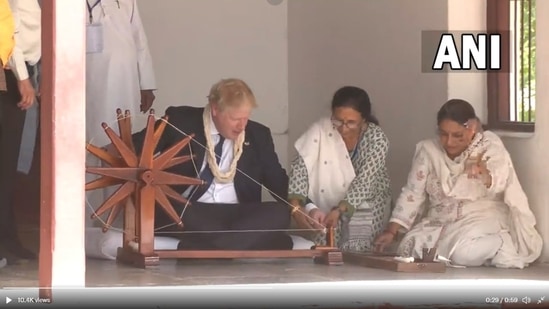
[[210, 152]]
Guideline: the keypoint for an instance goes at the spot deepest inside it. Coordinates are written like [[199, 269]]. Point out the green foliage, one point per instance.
[[527, 65]]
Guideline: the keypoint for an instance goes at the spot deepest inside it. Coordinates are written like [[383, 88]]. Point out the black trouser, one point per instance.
[[13, 119], [253, 226]]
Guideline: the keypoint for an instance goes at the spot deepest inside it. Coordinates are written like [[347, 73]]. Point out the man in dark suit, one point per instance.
[[236, 157]]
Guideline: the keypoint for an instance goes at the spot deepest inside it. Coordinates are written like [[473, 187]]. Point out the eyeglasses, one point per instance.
[[351, 124]]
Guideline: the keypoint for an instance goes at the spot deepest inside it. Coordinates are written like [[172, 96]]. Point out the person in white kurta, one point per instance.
[[466, 202], [119, 74], [119, 69]]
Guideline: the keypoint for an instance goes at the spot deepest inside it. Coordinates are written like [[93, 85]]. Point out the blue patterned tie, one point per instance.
[[207, 174]]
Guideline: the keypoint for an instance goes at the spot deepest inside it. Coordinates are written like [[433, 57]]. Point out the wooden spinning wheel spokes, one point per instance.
[[144, 181], [142, 176]]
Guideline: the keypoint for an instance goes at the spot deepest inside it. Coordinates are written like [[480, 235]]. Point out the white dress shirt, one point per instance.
[[223, 193], [27, 17]]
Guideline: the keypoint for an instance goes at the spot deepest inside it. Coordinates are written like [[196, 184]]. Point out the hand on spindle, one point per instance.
[[332, 219]]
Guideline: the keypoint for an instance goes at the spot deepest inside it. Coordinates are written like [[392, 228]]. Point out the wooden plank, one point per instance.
[[237, 254], [62, 251], [388, 263], [323, 255]]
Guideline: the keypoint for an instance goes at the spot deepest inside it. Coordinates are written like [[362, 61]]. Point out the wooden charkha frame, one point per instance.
[[144, 182]]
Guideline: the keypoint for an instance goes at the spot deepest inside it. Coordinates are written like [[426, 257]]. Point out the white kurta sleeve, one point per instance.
[[413, 195], [498, 163], [147, 80], [17, 60]]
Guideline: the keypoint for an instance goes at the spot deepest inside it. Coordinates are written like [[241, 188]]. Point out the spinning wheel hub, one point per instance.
[[147, 177]]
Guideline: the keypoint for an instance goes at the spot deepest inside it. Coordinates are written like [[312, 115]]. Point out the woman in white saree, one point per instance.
[[339, 177], [463, 198]]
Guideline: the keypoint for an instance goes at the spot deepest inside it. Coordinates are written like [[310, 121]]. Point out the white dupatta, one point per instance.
[[524, 244], [329, 167]]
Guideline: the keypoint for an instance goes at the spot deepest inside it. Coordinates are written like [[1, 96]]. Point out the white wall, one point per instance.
[[194, 43], [469, 86]]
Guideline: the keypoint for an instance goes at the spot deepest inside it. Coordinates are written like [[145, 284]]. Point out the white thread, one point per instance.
[[236, 231], [134, 246], [209, 150], [404, 259]]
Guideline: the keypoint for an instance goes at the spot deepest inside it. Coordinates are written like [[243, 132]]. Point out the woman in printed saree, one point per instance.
[[463, 198], [339, 178]]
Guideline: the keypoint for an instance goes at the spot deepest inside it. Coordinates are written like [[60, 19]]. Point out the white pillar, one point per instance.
[[62, 261]]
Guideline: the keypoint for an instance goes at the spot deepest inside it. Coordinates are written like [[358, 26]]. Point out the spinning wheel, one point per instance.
[[144, 181]]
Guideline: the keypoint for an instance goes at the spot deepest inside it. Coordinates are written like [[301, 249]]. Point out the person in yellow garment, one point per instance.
[[7, 29], [20, 113]]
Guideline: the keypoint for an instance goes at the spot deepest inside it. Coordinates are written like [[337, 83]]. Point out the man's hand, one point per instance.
[[317, 216], [147, 99], [28, 95], [301, 218]]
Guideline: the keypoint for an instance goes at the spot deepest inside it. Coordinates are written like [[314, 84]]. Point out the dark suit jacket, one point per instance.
[[259, 160]]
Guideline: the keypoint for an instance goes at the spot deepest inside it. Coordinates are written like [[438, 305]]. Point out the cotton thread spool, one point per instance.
[[404, 259], [134, 246]]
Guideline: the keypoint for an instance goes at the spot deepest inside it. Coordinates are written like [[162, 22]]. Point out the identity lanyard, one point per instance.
[[90, 9]]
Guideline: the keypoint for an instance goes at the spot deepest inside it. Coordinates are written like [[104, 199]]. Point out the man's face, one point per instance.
[[231, 121]]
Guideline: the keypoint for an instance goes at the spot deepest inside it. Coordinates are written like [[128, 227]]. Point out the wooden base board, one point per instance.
[[388, 263], [129, 257], [334, 258], [324, 255]]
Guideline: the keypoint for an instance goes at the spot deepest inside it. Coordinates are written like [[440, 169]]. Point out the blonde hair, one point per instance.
[[231, 92]]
